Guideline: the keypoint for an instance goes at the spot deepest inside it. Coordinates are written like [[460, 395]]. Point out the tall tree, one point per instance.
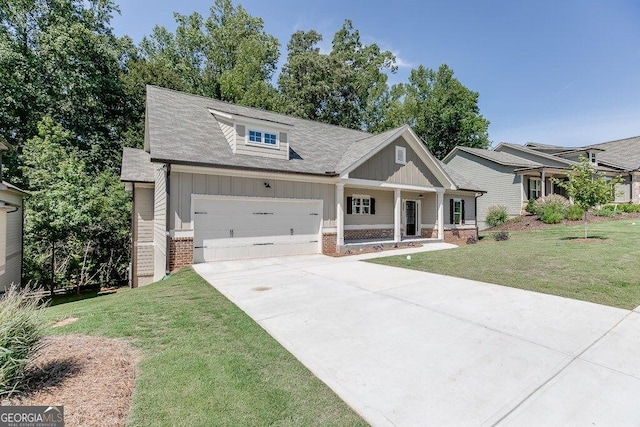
[[60, 58], [76, 224], [342, 87], [227, 56], [443, 112]]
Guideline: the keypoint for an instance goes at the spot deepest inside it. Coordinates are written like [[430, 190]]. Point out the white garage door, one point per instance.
[[227, 228]]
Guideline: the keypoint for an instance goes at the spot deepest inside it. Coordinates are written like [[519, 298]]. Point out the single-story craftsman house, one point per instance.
[[512, 174], [11, 220], [217, 181]]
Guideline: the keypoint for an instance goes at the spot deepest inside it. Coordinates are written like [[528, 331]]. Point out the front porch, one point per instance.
[[370, 213]]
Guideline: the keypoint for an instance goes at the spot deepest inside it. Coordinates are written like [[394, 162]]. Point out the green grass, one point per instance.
[[204, 362], [605, 270]]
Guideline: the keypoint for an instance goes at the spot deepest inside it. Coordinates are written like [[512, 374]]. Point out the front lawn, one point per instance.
[[204, 362], [554, 260]]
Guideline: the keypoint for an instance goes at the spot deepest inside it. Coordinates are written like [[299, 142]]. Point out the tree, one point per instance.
[[341, 88], [61, 59], [227, 56], [588, 188], [76, 225], [442, 111]]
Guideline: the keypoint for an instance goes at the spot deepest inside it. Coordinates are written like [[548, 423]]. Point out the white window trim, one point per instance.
[[361, 197], [539, 187], [418, 217], [401, 155], [262, 131], [461, 222], [592, 157]]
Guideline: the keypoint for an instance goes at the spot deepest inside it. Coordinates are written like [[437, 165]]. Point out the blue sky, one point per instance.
[[557, 72]]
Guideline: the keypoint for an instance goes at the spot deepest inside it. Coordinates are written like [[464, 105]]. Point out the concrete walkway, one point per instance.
[[410, 348]]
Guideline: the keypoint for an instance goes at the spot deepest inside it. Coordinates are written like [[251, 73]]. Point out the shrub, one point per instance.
[[500, 236], [531, 206], [574, 213], [471, 240], [21, 331], [604, 211], [554, 201], [552, 215], [629, 208], [496, 215]]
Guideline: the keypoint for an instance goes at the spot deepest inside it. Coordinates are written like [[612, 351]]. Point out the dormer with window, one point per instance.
[[254, 137], [591, 155]]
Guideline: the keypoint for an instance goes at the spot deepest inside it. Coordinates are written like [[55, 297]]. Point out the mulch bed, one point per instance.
[[532, 222], [92, 377], [379, 248]]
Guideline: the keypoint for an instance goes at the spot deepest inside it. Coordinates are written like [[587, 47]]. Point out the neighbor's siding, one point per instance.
[[623, 190], [255, 150], [184, 184], [159, 222], [383, 167], [143, 235], [503, 186], [13, 266]]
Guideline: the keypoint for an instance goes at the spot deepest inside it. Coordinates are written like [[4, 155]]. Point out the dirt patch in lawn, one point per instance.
[[64, 322], [92, 377], [589, 240]]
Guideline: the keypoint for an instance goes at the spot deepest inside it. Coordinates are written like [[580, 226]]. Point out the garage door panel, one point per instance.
[[229, 228]]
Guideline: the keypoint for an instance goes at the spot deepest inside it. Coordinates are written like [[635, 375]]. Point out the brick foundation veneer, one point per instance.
[[383, 233], [180, 252], [457, 236], [329, 242]]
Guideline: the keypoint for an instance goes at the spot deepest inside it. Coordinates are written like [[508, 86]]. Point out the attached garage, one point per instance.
[[227, 227]]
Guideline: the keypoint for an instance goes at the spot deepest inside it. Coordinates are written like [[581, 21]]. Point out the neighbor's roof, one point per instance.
[[11, 187], [539, 154], [181, 129], [622, 153], [136, 166], [504, 159]]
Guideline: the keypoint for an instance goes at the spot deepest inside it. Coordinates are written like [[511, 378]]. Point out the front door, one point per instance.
[[412, 217]]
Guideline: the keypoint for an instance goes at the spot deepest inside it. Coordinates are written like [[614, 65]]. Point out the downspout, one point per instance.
[[475, 212], [168, 222]]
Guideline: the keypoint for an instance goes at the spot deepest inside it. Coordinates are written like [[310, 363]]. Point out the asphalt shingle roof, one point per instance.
[[460, 181], [500, 157], [181, 129], [136, 166], [623, 153]]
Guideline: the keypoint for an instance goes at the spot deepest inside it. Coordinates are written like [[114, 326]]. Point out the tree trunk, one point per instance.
[[585, 224], [53, 268]]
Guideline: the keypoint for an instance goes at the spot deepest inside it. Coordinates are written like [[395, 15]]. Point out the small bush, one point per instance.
[[471, 240], [552, 216], [574, 213], [497, 215], [531, 206], [21, 331], [554, 201], [499, 236], [629, 208], [604, 212]]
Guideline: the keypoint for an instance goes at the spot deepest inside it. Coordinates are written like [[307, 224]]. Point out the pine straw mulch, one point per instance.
[[532, 222], [92, 377]]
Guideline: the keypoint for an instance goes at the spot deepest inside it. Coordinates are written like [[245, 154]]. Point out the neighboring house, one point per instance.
[[512, 174], [11, 220], [217, 181]]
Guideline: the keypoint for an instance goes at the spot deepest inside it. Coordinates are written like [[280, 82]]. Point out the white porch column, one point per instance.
[[441, 216], [397, 216], [543, 190], [340, 214]]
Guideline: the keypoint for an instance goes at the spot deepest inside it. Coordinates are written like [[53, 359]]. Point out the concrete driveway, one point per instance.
[[409, 348]]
